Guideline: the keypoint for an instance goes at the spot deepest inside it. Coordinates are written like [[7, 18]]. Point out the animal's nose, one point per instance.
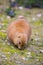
[[19, 43]]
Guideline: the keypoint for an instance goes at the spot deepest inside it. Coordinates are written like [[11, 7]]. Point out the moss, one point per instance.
[[37, 23], [28, 12], [3, 35], [33, 54]]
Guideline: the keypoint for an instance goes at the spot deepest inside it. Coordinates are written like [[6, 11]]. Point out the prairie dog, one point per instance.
[[19, 32]]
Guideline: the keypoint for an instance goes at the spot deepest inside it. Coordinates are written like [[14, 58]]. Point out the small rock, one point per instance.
[[0, 27], [1, 24], [3, 56], [18, 62], [6, 58], [8, 17], [20, 7], [0, 53], [37, 39], [8, 43], [41, 51], [9, 53], [39, 15], [42, 63], [28, 53], [37, 33], [2, 19], [24, 58], [33, 18], [3, 31]]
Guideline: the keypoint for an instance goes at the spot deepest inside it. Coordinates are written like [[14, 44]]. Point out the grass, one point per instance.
[[37, 32]]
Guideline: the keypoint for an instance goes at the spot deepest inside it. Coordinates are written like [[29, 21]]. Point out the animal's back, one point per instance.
[[19, 26]]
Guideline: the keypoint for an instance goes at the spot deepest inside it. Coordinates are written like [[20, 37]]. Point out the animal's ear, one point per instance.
[[18, 36]]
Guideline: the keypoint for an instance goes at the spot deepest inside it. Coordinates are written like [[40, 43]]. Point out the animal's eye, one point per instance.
[[18, 36]]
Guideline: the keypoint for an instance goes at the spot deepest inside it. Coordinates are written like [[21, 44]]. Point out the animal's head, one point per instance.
[[20, 40]]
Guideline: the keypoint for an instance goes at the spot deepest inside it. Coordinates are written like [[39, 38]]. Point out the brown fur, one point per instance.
[[19, 32]]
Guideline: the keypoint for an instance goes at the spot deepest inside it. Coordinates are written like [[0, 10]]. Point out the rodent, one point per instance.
[[19, 32]]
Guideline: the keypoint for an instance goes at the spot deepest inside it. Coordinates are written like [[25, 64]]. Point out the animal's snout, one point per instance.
[[19, 43]]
